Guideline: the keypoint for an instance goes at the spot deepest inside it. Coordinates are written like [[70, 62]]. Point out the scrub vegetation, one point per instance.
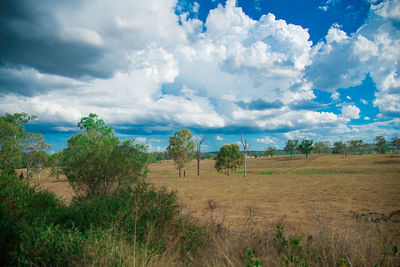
[[109, 206]]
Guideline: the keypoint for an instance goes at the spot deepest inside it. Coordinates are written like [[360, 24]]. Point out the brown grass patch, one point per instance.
[[297, 188]]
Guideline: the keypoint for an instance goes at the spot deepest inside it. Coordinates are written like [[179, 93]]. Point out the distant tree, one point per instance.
[[395, 144], [363, 147], [42, 161], [246, 148], [96, 162], [228, 158], [55, 163], [270, 151], [291, 146], [181, 148], [306, 146], [322, 147], [339, 148], [32, 147], [355, 145], [380, 142], [198, 153]]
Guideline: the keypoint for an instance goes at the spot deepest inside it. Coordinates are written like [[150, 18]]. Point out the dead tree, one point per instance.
[[198, 154], [246, 148]]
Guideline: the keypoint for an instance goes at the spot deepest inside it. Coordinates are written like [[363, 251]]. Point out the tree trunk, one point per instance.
[[184, 172], [27, 172], [180, 172], [198, 164], [40, 171], [244, 162]]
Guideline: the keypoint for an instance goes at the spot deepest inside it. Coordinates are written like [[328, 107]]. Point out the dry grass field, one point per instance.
[[303, 191]]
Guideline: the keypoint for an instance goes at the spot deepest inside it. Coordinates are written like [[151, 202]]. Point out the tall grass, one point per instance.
[[142, 226]]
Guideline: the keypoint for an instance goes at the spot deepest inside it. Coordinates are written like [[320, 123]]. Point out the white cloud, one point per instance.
[[348, 97], [335, 96], [366, 118], [219, 138], [389, 9], [156, 69], [363, 101], [323, 8], [372, 50], [140, 139], [350, 112], [265, 140]]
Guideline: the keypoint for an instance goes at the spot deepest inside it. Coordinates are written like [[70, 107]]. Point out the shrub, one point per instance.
[[228, 159], [96, 162]]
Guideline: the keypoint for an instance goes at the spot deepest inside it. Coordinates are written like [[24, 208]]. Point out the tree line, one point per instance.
[[96, 160]]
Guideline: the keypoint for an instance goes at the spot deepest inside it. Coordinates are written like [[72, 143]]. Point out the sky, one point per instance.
[[274, 70]]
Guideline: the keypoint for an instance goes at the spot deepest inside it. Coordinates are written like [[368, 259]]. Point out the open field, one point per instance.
[[328, 187]]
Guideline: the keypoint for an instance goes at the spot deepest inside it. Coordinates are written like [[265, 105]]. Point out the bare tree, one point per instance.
[[246, 148], [198, 153]]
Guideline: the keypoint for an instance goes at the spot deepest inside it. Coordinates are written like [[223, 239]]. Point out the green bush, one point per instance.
[[27, 228], [96, 162], [37, 228], [126, 210]]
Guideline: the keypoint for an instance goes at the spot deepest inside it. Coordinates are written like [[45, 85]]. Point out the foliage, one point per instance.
[[306, 146], [158, 156], [291, 146], [380, 142], [36, 228], [96, 162], [181, 148], [228, 158], [11, 132], [322, 147], [270, 151], [339, 147], [33, 146], [356, 146], [395, 144], [29, 236], [250, 260]]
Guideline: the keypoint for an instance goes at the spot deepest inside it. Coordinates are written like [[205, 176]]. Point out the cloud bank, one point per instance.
[[138, 64]]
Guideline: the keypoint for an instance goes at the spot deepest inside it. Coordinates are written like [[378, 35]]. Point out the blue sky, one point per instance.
[[275, 70]]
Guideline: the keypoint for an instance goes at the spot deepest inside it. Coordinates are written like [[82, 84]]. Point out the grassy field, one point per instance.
[[304, 191]]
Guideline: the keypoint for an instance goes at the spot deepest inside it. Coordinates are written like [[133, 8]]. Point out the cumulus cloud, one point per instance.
[[219, 138], [265, 140], [138, 64], [372, 50], [350, 112]]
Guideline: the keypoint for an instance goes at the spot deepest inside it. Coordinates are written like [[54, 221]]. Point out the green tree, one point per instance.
[[11, 132], [42, 161], [322, 147], [339, 148], [395, 144], [96, 162], [291, 146], [228, 158], [270, 151], [355, 145], [181, 148], [32, 147], [380, 142], [306, 146]]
